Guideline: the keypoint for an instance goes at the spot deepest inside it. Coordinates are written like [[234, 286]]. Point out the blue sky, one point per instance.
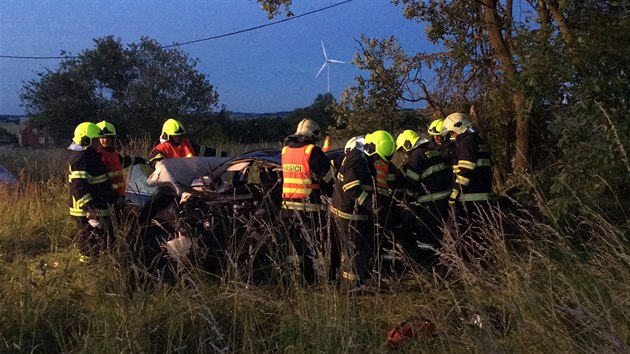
[[266, 70]]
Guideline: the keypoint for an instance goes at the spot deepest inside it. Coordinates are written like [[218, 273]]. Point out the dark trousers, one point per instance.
[[308, 235], [355, 240], [93, 240], [428, 222]]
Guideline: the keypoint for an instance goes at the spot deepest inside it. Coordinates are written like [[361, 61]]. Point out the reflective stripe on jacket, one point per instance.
[[473, 171], [477, 197], [89, 186], [348, 216], [297, 179], [427, 176], [382, 174], [352, 197]]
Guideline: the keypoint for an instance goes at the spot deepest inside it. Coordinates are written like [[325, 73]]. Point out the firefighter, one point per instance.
[[91, 193], [471, 194], [387, 185], [114, 162], [173, 144], [427, 189], [354, 203], [352, 143], [387, 181], [442, 141], [306, 178], [356, 142]]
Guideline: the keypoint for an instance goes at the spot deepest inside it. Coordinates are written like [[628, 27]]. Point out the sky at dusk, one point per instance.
[[266, 70]]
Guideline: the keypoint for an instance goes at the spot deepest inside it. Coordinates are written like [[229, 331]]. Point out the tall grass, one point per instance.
[[550, 287]]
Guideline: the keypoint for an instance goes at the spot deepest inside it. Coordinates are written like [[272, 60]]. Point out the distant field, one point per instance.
[[553, 287]]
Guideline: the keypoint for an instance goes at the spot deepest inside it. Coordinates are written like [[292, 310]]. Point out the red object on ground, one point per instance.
[[409, 330]]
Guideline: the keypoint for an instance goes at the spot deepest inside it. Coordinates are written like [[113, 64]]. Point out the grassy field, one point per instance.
[[555, 286]]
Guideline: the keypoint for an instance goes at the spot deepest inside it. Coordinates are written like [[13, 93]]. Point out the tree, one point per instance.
[[263, 129], [586, 103], [548, 88], [480, 63], [135, 86], [478, 66], [320, 111], [375, 101], [274, 8]]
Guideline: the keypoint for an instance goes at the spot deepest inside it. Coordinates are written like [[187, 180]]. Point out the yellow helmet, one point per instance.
[[381, 143], [85, 132], [309, 128], [436, 127], [172, 127], [407, 140], [456, 123], [107, 128]]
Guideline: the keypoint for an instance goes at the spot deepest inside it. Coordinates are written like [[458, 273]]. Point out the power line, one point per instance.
[[196, 40], [26, 57], [257, 27]]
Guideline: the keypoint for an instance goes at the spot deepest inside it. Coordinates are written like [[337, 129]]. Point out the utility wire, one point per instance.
[[25, 57], [257, 27], [176, 44]]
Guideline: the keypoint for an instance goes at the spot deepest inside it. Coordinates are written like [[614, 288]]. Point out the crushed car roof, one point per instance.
[[179, 173]]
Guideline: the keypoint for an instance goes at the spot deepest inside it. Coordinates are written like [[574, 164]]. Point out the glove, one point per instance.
[[94, 223], [453, 198], [185, 197]]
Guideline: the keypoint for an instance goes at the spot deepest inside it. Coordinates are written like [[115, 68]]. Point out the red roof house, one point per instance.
[[34, 137]]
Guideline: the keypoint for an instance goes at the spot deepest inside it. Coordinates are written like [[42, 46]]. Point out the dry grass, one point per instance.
[[551, 287]]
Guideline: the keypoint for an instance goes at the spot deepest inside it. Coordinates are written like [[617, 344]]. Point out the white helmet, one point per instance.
[[456, 123], [309, 128], [355, 142]]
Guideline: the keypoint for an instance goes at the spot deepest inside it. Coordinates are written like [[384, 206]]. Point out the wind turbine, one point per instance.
[[326, 65]]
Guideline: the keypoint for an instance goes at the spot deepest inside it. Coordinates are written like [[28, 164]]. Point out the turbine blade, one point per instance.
[[320, 69], [324, 49], [335, 61]]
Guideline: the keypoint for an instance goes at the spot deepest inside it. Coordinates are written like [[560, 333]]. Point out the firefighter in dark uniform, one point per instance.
[[306, 177], [387, 181], [471, 194], [173, 144], [441, 141], [427, 189], [388, 187], [114, 162], [354, 142], [354, 204], [91, 193]]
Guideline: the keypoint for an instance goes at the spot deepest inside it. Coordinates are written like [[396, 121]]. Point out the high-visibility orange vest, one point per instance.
[[297, 182], [114, 169], [326, 146], [169, 151], [382, 170]]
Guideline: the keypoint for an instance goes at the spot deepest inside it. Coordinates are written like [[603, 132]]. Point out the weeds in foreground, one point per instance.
[[550, 287], [541, 293]]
